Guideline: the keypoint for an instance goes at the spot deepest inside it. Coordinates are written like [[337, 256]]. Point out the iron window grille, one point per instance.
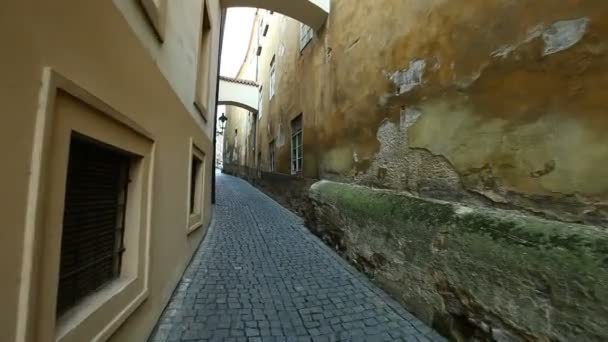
[[93, 221]]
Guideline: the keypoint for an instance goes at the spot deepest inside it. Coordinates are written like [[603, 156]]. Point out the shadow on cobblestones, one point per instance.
[[261, 276]]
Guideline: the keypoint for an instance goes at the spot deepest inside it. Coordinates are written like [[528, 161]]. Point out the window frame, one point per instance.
[[273, 77], [203, 64], [306, 35], [261, 103], [297, 145], [118, 229], [195, 196]]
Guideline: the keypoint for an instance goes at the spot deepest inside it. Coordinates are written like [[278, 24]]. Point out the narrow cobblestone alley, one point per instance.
[[261, 276]]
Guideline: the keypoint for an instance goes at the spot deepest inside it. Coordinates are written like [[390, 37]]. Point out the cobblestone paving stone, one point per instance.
[[260, 275]]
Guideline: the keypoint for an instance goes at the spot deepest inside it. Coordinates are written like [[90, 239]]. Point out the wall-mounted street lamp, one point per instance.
[[223, 120]]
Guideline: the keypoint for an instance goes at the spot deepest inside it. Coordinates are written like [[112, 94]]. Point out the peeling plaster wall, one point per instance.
[[508, 99], [485, 104]]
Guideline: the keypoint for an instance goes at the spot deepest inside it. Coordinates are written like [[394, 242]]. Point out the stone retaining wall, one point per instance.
[[471, 272], [290, 191]]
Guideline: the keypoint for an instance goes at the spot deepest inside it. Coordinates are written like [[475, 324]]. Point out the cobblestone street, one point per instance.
[[261, 276]]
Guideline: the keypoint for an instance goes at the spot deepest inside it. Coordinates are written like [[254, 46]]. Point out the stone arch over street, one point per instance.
[[239, 93], [310, 12]]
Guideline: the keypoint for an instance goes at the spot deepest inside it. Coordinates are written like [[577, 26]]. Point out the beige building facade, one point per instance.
[[117, 80], [108, 132]]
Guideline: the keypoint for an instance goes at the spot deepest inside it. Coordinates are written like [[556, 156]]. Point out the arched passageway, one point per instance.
[[310, 12], [240, 93]]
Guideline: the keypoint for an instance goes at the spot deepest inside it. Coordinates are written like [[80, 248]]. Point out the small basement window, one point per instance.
[[93, 220]]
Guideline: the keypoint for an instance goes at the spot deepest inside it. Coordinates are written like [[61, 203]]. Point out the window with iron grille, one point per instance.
[[297, 145], [271, 149], [93, 220]]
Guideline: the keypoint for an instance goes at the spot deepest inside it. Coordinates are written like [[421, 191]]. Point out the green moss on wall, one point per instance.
[[387, 207], [531, 277]]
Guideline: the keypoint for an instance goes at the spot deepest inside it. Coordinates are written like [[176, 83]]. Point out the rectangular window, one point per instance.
[[273, 80], [93, 220], [271, 153], [196, 172], [297, 145], [306, 34], [203, 81], [260, 104]]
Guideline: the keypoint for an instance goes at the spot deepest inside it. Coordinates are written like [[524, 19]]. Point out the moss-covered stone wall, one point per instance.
[[472, 272]]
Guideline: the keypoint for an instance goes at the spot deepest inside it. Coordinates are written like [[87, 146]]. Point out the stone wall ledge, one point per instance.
[[471, 272]]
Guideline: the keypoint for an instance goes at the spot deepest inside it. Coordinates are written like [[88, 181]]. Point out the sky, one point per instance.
[[239, 22]]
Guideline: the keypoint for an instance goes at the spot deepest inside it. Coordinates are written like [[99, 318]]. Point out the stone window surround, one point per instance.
[[99, 315]]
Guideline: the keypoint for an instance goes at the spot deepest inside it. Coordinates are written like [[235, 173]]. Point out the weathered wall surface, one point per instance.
[[489, 104], [472, 273], [496, 103]]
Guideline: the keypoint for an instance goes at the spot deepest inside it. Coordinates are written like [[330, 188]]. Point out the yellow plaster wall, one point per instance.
[[494, 103]]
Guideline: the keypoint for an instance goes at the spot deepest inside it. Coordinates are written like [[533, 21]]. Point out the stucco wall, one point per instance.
[[177, 56], [491, 103], [91, 44]]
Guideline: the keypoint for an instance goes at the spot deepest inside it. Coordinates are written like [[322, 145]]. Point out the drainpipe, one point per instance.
[[217, 97]]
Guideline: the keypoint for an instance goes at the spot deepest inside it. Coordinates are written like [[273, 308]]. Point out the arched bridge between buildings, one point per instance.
[[310, 12], [240, 93]]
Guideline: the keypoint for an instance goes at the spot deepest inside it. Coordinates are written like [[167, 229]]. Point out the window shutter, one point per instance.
[[93, 221]]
